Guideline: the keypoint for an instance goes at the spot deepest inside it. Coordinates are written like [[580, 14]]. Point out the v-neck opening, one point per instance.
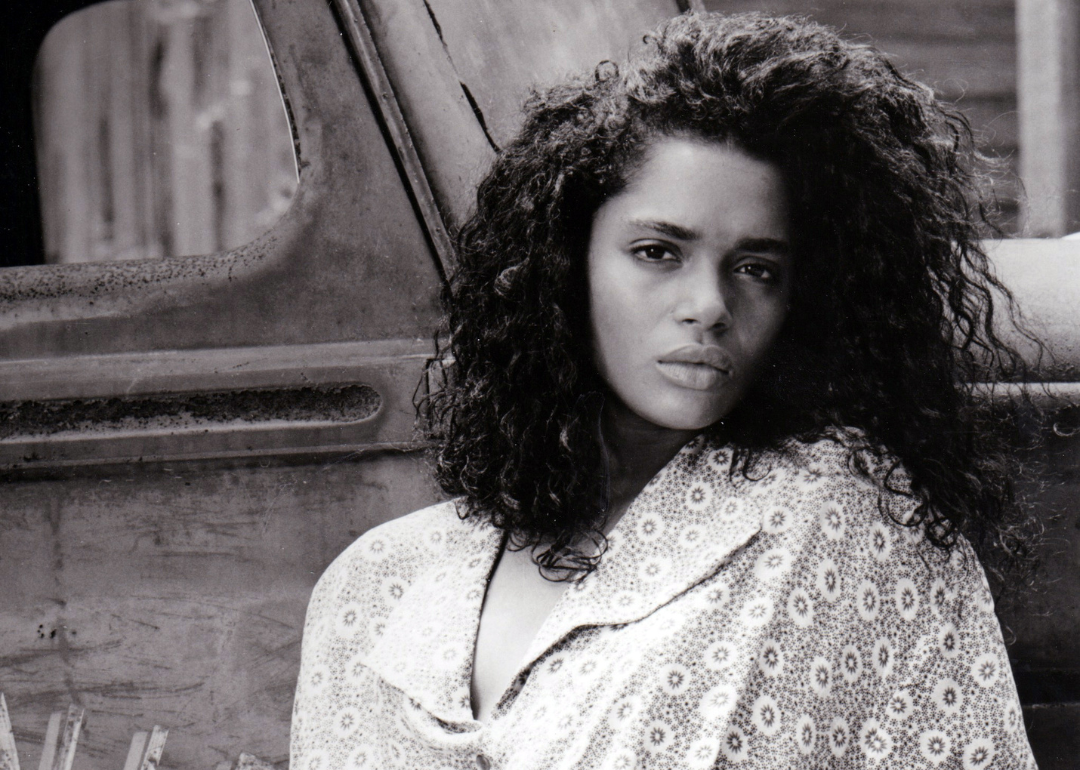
[[434, 662], [499, 554], [532, 654]]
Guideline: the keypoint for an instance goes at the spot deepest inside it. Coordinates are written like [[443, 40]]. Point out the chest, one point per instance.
[[517, 603]]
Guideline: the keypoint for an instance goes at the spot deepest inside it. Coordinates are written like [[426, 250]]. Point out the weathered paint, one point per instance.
[[175, 596], [348, 261], [461, 76], [1049, 108]]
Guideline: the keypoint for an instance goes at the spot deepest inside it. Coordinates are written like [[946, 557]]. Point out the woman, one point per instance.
[[708, 428]]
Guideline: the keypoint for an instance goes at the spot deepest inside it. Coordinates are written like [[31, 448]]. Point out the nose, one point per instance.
[[703, 301]]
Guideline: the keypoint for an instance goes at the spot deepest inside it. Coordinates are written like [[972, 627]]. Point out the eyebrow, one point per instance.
[[672, 230], [759, 245], [667, 228]]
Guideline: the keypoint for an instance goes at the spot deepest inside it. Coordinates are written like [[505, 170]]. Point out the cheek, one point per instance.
[[623, 316], [762, 332], [614, 334], [607, 309]]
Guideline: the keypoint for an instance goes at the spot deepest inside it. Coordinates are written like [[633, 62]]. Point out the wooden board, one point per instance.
[[48, 745], [923, 20], [136, 750], [9, 754], [69, 739], [155, 747]]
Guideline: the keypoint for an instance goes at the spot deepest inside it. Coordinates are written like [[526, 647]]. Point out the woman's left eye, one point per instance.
[[758, 270]]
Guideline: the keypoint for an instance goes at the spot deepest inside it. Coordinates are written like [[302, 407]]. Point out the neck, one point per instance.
[[635, 450]]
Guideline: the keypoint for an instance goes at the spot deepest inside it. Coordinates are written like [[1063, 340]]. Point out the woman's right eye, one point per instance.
[[654, 252]]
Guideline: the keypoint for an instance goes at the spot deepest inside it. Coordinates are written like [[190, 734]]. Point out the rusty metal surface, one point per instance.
[[460, 83], [157, 572], [348, 261], [332, 398], [199, 411], [382, 91], [175, 597]]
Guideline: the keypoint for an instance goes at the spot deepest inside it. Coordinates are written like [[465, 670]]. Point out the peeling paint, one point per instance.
[[435, 23], [479, 116]]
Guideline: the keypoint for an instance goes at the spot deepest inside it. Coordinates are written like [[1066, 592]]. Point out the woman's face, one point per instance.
[[690, 271]]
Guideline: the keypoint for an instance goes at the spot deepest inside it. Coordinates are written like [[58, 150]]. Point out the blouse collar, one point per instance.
[[681, 529]]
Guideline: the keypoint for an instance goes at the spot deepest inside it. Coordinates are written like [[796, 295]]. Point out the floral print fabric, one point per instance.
[[784, 621]]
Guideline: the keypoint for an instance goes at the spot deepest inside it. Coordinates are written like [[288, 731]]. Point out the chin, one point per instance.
[[695, 418], [689, 425]]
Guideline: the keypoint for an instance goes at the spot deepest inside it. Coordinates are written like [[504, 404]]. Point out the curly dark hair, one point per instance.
[[892, 320]]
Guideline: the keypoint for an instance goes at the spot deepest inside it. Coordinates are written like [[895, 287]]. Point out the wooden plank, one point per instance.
[[9, 755], [260, 165], [154, 748], [188, 183], [124, 141], [136, 750], [60, 123], [65, 753], [995, 122], [52, 734], [966, 51], [99, 49], [965, 69]]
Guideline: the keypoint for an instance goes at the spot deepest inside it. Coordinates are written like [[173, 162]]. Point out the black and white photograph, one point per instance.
[[540, 385]]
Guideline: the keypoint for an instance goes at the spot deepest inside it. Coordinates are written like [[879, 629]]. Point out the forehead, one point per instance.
[[714, 188]]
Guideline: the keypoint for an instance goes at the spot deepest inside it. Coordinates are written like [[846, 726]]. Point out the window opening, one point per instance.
[[160, 131]]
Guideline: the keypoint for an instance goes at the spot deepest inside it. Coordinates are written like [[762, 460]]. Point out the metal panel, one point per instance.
[[174, 595], [302, 400], [460, 71], [348, 261], [156, 571]]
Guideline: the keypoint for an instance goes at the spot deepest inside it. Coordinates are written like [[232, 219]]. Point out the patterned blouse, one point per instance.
[[787, 621]]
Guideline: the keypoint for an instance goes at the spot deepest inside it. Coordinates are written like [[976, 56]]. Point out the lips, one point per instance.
[[698, 367], [709, 355]]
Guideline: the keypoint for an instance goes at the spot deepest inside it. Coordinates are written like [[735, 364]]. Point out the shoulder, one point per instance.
[[870, 622], [856, 501], [844, 456], [404, 537], [389, 557], [840, 481], [849, 504]]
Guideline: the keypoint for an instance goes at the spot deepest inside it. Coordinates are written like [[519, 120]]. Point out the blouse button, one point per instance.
[[482, 762]]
